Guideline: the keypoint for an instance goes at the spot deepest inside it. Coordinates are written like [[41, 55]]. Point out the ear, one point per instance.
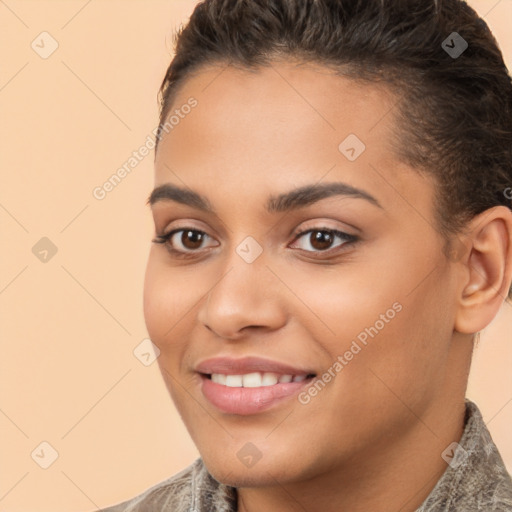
[[486, 270]]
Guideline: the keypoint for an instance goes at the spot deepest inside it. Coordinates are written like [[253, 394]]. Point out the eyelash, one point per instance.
[[347, 238]]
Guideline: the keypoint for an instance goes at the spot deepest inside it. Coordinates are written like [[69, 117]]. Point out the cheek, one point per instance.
[[169, 295], [381, 320], [337, 304], [409, 356]]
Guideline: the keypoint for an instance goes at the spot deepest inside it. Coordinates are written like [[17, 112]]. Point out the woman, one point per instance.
[[333, 229]]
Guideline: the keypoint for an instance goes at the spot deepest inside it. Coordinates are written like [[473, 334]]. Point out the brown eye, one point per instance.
[[191, 239], [322, 240], [184, 240]]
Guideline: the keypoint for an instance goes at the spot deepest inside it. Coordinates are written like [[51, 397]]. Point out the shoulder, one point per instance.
[[476, 478], [191, 490], [175, 492]]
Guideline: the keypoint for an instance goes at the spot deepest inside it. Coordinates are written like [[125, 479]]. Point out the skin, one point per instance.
[[372, 439]]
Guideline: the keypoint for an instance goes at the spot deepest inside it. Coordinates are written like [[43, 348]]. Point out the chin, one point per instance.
[[264, 472], [244, 477]]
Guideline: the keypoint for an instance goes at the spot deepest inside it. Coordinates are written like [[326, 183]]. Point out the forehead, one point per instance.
[[289, 122], [285, 92]]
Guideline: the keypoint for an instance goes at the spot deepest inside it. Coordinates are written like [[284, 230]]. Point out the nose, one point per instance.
[[246, 296]]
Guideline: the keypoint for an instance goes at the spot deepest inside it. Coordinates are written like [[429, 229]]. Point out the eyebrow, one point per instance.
[[292, 200]]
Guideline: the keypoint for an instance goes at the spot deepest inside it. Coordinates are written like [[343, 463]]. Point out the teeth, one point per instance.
[[219, 378], [251, 380], [269, 379], [255, 379], [234, 381]]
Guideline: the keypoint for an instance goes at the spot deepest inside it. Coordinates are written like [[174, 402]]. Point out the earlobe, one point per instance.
[[487, 270]]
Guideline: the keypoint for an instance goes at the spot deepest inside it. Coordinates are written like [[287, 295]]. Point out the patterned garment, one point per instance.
[[475, 480]]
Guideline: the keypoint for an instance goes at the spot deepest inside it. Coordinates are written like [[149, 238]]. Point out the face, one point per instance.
[[302, 304]]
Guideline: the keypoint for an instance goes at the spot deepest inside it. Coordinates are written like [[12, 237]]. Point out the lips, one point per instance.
[[250, 385], [232, 366]]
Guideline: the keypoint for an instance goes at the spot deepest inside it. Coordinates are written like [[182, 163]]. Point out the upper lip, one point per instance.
[[235, 366]]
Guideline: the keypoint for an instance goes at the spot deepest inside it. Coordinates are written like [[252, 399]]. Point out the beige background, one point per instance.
[[69, 325]]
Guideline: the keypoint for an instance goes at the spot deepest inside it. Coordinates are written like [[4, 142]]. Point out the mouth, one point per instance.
[[250, 385]]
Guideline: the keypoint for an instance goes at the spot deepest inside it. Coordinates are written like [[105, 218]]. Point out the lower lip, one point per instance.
[[245, 401]]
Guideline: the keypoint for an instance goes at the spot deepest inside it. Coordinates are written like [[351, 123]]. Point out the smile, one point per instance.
[[250, 385]]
